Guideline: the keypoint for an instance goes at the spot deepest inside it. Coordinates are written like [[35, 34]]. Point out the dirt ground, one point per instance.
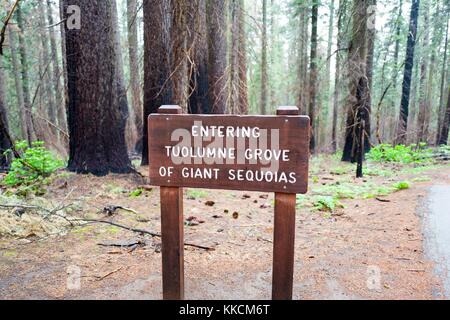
[[370, 249]]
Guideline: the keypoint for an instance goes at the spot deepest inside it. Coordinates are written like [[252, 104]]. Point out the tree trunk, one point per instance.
[[242, 62], [64, 61], [264, 71], [5, 142], [446, 123], [234, 58], [135, 123], [198, 100], [59, 97], [444, 71], [337, 81], [18, 83], [422, 125], [358, 116], [157, 84], [25, 76], [371, 38], [217, 65], [46, 88], [96, 120], [313, 75], [402, 130], [303, 61]]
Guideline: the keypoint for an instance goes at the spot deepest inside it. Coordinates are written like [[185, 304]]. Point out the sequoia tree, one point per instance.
[[96, 124], [157, 84], [5, 142]]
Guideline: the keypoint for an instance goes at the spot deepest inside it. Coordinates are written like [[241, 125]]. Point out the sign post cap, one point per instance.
[[288, 110], [171, 109]]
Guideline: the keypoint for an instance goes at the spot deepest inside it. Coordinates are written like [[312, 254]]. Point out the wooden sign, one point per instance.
[[252, 153], [262, 153]]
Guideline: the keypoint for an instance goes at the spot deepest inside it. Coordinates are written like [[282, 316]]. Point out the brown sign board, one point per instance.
[[252, 153]]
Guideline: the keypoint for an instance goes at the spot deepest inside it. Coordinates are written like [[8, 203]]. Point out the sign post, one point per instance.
[[252, 153]]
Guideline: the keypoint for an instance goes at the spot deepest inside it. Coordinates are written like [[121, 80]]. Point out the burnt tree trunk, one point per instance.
[[358, 115], [96, 120], [157, 84], [402, 130]]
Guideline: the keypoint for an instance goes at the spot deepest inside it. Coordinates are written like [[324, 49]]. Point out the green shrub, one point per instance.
[[402, 185], [401, 153], [327, 204], [34, 167]]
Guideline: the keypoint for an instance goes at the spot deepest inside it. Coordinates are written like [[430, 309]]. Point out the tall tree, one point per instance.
[[422, 124], [264, 66], [358, 116], [217, 64], [18, 83], [402, 129], [242, 61], [302, 77], [5, 142], [59, 93], [25, 76], [313, 74], [157, 62], [337, 80], [135, 122], [444, 71], [446, 123], [96, 121]]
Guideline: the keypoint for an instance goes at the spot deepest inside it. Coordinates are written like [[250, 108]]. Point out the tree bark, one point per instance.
[[313, 74], [444, 71], [157, 62], [264, 68], [198, 99], [358, 116], [18, 83], [25, 76], [59, 97], [217, 65], [135, 123], [242, 62], [5, 142], [446, 123], [96, 120], [402, 130]]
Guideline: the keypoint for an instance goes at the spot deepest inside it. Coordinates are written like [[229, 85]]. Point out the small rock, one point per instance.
[[210, 203]]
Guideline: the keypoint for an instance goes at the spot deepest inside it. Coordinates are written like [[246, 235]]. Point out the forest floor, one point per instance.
[[355, 239]]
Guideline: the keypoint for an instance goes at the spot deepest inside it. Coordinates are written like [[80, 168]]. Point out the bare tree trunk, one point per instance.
[[234, 58], [157, 62], [59, 97], [5, 142], [46, 88], [264, 71], [303, 61], [25, 76], [423, 99], [313, 75], [64, 60], [217, 56], [96, 115], [444, 71], [135, 123], [242, 62], [18, 83], [337, 81], [446, 123], [402, 130]]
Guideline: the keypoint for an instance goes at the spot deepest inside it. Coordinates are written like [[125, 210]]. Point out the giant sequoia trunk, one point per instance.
[[217, 65], [409, 63], [96, 122], [157, 84], [358, 116], [198, 97]]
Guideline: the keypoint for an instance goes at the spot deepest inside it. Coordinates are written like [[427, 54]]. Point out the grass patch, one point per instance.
[[197, 194], [402, 185]]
